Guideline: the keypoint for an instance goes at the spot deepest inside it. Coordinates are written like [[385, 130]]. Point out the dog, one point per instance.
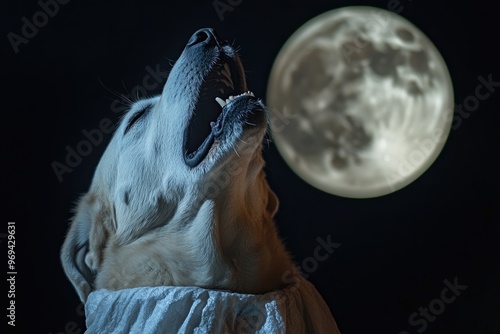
[[180, 196]]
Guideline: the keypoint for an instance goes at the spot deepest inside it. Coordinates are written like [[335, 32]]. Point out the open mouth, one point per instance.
[[222, 85]]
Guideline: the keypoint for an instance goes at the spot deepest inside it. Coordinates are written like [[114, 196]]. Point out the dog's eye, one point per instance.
[[136, 117]]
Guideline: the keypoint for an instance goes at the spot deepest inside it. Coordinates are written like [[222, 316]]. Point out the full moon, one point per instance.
[[361, 102]]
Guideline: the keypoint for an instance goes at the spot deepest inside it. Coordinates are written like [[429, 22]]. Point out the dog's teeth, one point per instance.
[[221, 102], [247, 93]]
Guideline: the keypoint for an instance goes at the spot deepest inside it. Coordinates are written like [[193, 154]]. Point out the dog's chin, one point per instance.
[[241, 129], [238, 132]]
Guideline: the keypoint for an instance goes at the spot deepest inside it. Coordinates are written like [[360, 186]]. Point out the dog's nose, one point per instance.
[[207, 36]]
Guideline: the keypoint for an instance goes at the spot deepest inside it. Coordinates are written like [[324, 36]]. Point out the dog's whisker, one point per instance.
[[121, 97], [127, 99], [268, 143], [171, 62], [137, 95], [235, 151], [125, 87]]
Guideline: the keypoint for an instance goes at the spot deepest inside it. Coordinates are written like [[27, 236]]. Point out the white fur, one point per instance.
[[149, 220]]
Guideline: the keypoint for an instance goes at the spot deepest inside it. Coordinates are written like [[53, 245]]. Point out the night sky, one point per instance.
[[397, 253]]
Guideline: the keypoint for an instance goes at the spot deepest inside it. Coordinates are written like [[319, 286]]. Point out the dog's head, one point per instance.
[[192, 152]]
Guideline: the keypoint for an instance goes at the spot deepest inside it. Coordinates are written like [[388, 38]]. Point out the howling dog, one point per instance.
[[179, 197]]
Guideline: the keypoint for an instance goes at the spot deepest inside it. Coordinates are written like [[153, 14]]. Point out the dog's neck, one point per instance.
[[244, 231], [219, 234]]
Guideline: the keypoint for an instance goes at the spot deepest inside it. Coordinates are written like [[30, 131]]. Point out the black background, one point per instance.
[[395, 250]]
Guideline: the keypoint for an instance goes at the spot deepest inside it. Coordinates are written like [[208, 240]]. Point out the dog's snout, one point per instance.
[[206, 36]]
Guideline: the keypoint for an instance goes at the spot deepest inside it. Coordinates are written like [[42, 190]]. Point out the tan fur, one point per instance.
[[150, 220]]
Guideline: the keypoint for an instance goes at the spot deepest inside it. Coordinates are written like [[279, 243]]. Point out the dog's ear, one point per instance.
[[86, 238]]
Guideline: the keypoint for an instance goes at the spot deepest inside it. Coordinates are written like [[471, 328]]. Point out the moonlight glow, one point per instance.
[[365, 102]]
